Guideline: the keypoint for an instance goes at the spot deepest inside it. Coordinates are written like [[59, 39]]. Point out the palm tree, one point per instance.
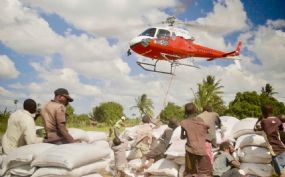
[[268, 90], [208, 93], [144, 105]]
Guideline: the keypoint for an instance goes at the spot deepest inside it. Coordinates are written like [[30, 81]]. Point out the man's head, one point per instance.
[[146, 119], [190, 109], [116, 141], [173, 123], [267, 110], [30, 105], [61, 95], [227, 147], [207, 108]]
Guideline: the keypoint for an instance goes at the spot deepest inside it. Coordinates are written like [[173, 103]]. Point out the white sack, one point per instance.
[[264, 170], [244, 126], [176, 135], [157, 132], [96, 136], [228, 123], [250, 140], [73, 155], [25, 170], [78, 134], [93, 175], [24, 155], [135, 164], [176, 149], [254, 154], [77, 172], [130, 133], [163, 167]]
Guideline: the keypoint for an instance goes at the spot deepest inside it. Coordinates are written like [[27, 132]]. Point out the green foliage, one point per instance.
[[4, 116], [247, 104], [81, 120], [108, 112], [172, 111], [144, 105], [209, 92]]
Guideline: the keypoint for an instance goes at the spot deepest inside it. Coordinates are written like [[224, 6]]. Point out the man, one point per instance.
[[197, 162], [143, 139], [212, 120], [270, 125], [21, 128], [157, 152], [54, 117]]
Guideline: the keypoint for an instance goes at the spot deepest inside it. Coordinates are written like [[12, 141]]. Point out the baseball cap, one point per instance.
[[63, 92], [123, 118]]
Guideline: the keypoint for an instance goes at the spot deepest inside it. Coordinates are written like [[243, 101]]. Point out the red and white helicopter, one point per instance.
[[172, 44]]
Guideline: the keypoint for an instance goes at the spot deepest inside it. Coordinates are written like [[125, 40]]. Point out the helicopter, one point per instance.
[[171, 44]]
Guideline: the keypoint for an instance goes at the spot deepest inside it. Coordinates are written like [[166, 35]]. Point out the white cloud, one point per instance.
[[276, 23], [8, 69], [227, 17], [107, 18], [18, 23]]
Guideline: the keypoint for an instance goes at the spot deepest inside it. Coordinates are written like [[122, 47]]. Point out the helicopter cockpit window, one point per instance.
[[149, 32], [162, 33]]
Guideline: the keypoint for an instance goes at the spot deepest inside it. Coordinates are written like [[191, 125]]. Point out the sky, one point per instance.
[[81, 45]]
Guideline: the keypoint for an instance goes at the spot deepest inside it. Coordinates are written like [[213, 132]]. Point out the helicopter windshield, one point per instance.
[[149, 32], [162, 33]]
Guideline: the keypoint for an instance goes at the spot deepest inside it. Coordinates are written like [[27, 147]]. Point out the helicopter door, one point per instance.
[[162, 33]]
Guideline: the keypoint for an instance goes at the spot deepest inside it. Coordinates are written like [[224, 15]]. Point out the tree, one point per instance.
[[144, 105], [247, 104], [209, 94], [172, 111], [268, 90], [108, 112]]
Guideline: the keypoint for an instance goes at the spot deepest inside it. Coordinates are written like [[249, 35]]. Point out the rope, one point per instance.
[[168, 88]]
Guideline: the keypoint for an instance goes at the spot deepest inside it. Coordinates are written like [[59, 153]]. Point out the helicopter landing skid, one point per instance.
[[152, 67]]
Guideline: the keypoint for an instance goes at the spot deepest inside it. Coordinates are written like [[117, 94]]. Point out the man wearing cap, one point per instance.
[[54, 117]]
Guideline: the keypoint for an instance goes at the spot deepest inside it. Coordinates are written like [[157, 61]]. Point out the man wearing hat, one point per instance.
[[54, 117]]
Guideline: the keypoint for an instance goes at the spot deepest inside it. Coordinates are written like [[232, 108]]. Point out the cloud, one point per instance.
[[8, 69], [102, 18], [276, 23], [18, 23], [227, 17]]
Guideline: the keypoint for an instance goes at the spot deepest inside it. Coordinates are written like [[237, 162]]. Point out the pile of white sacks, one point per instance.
[[95, 156], [86, 159], [251, 150]]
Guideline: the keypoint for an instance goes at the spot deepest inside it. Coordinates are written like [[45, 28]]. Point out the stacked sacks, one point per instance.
[[176, 152], [87, 136], [18, 162], [73, 160], [163, 167], [251, 149], [228, 123]]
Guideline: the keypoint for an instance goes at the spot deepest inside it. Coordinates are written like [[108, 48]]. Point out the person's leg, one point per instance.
[[232, 173], [204, 166], [279, 164]]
